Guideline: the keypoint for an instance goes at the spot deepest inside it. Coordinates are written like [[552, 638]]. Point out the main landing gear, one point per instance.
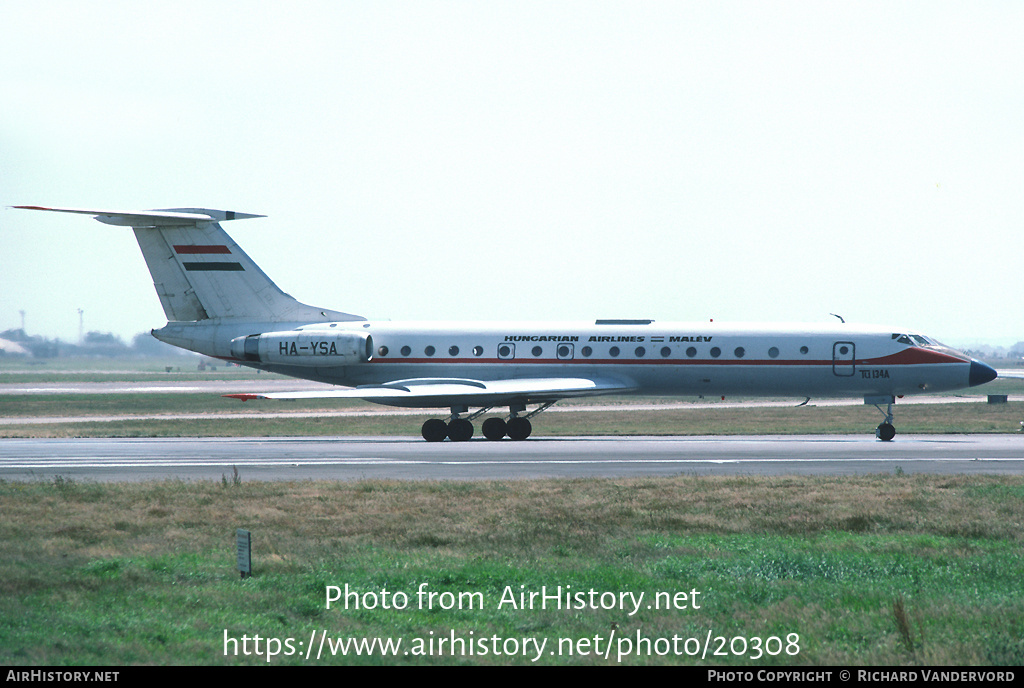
[[515, 426]]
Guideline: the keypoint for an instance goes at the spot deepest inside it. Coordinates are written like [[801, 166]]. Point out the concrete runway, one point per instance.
[[408, 458]]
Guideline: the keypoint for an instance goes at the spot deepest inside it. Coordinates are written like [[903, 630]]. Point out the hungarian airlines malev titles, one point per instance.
[[219, 303]]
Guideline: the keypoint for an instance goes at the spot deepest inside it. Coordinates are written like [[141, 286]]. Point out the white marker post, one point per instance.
[[243, 540]]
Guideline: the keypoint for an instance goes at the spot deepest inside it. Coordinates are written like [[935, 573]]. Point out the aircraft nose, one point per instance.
[[981, 373]]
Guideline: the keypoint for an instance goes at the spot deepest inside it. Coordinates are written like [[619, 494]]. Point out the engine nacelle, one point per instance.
[[304, 348]]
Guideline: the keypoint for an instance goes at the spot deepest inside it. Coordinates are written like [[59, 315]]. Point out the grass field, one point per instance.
[[880, 570]]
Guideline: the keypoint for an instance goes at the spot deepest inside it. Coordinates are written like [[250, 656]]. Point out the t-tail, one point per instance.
[[201, 275]]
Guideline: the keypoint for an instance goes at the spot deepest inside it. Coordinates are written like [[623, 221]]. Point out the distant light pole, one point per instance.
[[81, 326]]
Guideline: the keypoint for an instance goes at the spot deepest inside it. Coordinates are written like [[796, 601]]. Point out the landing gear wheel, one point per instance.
[[494, 428], [885, 432], [434, 430], [460, 430], [519, 429]]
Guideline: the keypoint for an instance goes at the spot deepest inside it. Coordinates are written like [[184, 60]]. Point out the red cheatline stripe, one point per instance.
[[192, 250], [916, 356]]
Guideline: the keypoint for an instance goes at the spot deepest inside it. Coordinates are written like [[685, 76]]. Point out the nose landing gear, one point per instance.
[[885, 430]]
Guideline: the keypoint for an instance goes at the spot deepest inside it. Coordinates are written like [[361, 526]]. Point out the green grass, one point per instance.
[[873, 570]]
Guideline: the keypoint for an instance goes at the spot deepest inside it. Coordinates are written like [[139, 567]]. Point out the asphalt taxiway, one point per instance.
[[408, 458]]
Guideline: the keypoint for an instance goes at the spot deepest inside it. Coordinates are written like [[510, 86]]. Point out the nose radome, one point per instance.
[[981, 373]]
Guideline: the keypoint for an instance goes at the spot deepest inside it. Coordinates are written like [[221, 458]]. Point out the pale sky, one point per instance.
[[423, 160]]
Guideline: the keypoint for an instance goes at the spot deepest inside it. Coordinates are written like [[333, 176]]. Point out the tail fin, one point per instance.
[[200, 273]]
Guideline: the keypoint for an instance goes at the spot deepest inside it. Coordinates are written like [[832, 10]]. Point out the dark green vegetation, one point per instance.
[[883, 570]]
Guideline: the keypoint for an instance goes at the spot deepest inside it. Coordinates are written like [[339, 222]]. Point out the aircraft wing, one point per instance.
[[442, 392]]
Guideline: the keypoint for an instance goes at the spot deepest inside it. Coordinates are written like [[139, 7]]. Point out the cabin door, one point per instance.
[[843, 359]]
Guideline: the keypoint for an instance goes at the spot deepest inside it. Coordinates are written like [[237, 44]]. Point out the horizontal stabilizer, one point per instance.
[[441, 392], [170, 217]]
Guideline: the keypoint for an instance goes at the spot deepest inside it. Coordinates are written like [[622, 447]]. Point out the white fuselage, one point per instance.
[[686, 359]]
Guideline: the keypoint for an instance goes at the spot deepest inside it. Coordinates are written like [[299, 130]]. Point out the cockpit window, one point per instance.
[[917, 340], [921, 340]]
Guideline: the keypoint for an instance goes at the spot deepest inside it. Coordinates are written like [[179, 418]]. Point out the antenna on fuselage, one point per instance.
[[840, 318]]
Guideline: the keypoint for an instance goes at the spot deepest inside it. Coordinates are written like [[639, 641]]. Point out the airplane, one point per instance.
[[219, 303]]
